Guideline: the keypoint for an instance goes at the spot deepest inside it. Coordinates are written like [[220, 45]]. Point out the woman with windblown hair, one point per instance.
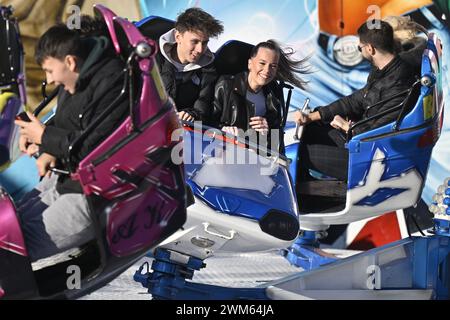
[[253, 100]]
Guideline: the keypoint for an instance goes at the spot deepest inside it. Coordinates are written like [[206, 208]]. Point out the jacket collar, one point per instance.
[[240, 83], [392, 65], [99, 48]]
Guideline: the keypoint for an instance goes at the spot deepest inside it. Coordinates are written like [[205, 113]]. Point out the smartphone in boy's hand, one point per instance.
[[23, 116]]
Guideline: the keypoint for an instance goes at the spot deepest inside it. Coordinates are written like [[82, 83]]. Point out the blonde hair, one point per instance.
[[405, 29]]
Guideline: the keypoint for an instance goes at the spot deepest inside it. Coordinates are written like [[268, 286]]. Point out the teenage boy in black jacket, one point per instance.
[[186, 64], [55, 214]]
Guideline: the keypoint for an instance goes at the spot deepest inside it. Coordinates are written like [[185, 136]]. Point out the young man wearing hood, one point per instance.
[[186, 64], [55, 214]]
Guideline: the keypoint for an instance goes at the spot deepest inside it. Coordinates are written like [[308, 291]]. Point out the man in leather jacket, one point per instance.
[[323, 142]]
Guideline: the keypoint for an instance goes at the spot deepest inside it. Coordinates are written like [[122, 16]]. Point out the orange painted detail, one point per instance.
[[343, 17], [377, 232]]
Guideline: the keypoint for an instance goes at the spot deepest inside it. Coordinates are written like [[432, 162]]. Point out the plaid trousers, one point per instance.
[[323, 149]]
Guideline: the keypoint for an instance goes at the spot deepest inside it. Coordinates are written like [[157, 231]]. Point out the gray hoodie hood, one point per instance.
[[166, 43]]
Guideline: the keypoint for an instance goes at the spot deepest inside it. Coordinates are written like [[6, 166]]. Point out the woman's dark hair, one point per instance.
[[287, 67], [59, 41]]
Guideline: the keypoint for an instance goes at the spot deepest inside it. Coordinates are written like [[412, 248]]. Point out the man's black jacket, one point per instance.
[[100, 82], [394, 78]]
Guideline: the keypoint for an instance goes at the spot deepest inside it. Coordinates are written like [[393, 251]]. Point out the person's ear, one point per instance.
[[249, 63], [178, 36], [71, 62], [372, 50]]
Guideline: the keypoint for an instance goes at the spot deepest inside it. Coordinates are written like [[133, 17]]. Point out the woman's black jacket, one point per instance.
[[231, 107]]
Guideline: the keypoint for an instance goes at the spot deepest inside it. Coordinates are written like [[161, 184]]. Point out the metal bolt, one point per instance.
[[143, 50], [426, 81]]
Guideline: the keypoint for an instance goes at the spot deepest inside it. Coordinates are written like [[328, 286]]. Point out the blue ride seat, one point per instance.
[[153, 27], [269, 208], [388, 165]]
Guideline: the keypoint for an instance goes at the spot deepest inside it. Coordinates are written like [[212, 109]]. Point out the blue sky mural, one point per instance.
[[250, 21]]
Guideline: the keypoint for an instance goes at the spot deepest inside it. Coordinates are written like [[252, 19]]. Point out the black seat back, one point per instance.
[[11, 52], [154, 27], [232, 57]]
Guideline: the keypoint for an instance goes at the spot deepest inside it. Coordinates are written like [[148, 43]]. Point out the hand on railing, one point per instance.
[[259, 124], [301, 119], [44, 163], [184, 116], [231, 130]]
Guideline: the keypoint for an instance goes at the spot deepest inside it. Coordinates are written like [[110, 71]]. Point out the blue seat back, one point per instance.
[[389, 165]]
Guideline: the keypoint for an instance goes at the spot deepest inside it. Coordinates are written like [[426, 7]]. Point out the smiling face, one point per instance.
[[191, 45], [262, 68], [61, 72]]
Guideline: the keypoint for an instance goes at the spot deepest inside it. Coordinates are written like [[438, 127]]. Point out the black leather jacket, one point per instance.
[[395, 78], [231, 107]]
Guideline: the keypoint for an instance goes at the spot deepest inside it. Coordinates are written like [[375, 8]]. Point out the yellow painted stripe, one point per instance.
[[428, 107], [4, 97], [5, 166], [158, 83]]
